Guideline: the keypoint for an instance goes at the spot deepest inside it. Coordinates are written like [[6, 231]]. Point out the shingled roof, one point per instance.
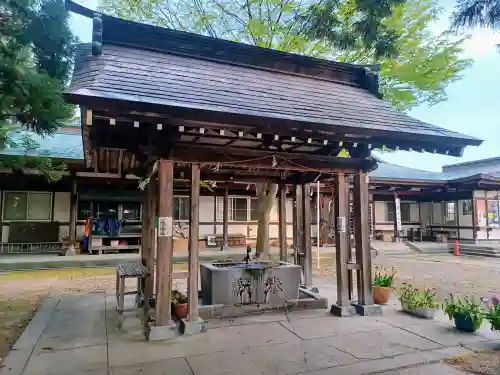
[[164, 68]]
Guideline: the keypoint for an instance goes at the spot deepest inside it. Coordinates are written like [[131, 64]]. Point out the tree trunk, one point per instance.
[[266, 194]]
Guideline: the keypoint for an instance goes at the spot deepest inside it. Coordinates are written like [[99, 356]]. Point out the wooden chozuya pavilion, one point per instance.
[[224, 111]]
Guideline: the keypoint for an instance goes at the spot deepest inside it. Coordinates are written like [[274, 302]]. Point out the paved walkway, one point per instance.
[[78, 335]]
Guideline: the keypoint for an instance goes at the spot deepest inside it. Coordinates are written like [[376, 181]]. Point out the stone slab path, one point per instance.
[[78, 335]]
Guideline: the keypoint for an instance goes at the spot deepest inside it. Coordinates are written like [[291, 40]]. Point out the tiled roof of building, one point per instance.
[[65, 144], [387, 171]]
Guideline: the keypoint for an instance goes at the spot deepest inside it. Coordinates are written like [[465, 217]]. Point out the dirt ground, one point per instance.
[[461, 276], [487, 363]]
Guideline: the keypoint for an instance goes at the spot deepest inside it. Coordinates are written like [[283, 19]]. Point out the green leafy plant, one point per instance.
[[413, 298], [465, 308], [179, 298], [492, 312], [383, 278]]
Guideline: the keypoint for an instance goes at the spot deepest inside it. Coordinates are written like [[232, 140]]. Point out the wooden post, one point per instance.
[[165, 243], [306, 236], [295, 243], [475, 221], [299, 224], [396, 229], [282, 222], [194, 251], [145, 252], [225, 220], [363, 253], [72, 213], [342, 246], [149, 243]]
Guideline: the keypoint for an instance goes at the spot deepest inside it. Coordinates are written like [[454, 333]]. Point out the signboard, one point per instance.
[[341, 224], [165, 227], [397, 204]]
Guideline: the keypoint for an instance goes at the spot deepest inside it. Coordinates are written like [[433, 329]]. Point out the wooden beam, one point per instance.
[[282, 222], [225, 220], [165, 243], [194, 251], [342, 239], [306, 238], [362, 237]]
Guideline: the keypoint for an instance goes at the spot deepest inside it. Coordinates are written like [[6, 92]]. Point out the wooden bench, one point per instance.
[[126, 271]]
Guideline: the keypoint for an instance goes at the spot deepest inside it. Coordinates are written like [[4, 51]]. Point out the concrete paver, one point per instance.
[[175, 366], [445, 334]]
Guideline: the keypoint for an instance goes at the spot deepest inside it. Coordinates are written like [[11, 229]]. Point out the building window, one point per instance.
[[467, 207], [391, 214], [237, 211], [405, 212], [181, 208], [253, 209], [108, 210], [84, 210], [450, 211], [493, 214], [131, 211], [27, 206]]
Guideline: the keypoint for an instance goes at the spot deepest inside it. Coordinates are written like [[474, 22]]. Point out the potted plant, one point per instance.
[[466, 313], [382, 285], [180, 302], [492, 313], [415, 302]]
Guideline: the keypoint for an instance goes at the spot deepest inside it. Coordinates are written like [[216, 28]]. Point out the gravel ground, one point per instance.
[[444, 273]]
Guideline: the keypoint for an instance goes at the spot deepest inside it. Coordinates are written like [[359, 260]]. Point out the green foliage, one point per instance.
[[383, 278], [36, 54], [179, 297], [477, 13], [493, 316], [416, 65], [464, 308], [414, 298]]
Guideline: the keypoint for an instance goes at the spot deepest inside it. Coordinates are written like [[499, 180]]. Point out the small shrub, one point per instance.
[[492, 312], [414, 298], [466, 308], [179, 297], [384, 278]]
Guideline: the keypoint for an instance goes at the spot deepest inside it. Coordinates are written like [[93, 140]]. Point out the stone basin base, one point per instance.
[[307, 301], [239, 283]]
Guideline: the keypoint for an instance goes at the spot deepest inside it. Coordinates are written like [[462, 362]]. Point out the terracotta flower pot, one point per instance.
[[381, 295], [181, 310]]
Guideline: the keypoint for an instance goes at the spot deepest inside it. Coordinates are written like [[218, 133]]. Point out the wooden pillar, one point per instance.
[[306, 234], [299, 224], [194, 251], [342, 246], [149, 243], [225, 220], [165, 243], [475, 219], [72, 213], [363, 254], [282, 222], [397, 208]]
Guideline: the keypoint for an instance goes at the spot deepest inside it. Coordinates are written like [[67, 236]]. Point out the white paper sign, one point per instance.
[[397, 203], [341, 224], [165, 226]]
